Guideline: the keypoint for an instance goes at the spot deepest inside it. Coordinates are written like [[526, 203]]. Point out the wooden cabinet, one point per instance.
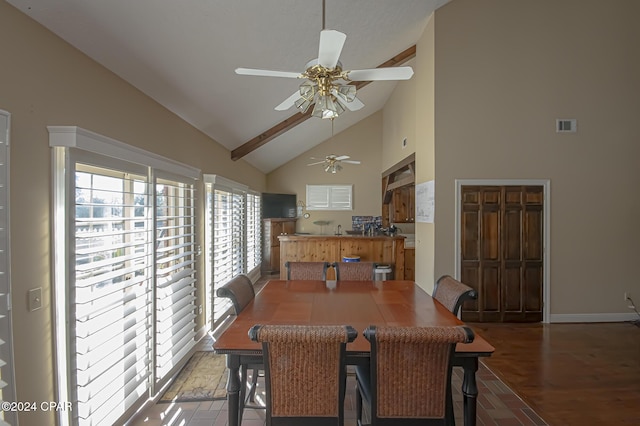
[[409, 263], [403, 204], [398, 192], [271, 230], [379, 249]]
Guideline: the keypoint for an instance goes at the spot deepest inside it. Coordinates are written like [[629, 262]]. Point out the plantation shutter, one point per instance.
[[111, 291], [7, 381], [329, 197], [238, 233], [175, 273], [227, 209], [124, 238], [254, 232]]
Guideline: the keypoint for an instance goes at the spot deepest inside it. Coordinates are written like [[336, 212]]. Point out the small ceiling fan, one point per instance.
[[326, 84], [331, 163]]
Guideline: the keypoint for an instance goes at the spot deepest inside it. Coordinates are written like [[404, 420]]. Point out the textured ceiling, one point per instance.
[[183, 55]]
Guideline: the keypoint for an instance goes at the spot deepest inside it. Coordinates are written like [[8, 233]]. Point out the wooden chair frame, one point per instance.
[[241, 292], [445, 338], [452, 293], [306, 270], [296, 409], [355, 271]]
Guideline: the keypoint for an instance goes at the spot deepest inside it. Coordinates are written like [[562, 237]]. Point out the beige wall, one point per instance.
[[361, 142], [44, 81], [504, 71], [425, 151], [399, 123], [409, 113]]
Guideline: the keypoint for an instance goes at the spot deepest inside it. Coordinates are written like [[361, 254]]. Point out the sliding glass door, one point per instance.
[[233, 238], [125, 282]]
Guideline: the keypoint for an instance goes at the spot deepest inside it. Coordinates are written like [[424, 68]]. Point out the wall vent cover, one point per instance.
[[566, 125]]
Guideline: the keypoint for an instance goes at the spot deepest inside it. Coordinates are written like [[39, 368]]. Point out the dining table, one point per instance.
[[355, 303]]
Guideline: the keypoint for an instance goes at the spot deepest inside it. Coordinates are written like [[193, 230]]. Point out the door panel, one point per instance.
[[502, 252]]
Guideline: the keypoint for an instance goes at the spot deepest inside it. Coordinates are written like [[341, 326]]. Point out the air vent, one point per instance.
[[566, 125]]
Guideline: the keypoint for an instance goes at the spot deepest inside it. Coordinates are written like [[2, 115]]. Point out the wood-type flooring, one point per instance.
[[570, 374]]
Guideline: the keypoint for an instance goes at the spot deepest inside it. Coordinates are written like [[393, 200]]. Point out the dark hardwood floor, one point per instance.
[[570, 374]]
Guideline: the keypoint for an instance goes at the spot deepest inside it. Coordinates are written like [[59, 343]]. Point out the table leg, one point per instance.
[[233, 389], [470, 390]]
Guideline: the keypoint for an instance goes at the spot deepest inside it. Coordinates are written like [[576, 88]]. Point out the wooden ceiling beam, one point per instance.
[[299, 117]]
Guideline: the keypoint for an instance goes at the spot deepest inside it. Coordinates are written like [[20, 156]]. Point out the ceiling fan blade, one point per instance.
[[392, 73], [267, 73], [289, 102], [331, 42], [351, 161], [316, 163], [342, 157], [355, 105]]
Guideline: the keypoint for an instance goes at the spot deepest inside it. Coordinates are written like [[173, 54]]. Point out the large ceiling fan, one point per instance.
[[331, 163], [326, 86]]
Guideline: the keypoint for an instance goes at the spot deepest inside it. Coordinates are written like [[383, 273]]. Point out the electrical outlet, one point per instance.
[[34, 299], [199, 309]]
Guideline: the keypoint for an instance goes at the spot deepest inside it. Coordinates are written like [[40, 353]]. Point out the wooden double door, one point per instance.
[[502, 252]]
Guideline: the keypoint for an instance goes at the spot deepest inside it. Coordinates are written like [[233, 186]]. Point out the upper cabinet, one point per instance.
[[398, 192], [402, 206]]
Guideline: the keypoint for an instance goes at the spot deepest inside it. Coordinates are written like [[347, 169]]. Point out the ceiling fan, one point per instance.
[[331, 163], [326, 84]]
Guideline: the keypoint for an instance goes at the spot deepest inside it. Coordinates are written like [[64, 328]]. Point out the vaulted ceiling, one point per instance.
[[183, 54]]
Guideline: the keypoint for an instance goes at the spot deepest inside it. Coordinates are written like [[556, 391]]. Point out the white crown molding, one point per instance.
[[77, 137]]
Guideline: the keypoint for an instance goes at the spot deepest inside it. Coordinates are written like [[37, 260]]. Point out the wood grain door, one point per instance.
[[502, 252]]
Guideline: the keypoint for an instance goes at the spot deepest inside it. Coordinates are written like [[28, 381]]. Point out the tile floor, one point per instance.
[[497, 406]]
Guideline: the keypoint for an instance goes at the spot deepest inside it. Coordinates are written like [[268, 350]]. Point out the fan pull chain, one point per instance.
[[323, 4]]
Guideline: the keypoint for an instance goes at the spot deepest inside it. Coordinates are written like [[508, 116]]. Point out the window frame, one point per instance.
[[69, 144], [328, 197], [218, 310], [8, 392]]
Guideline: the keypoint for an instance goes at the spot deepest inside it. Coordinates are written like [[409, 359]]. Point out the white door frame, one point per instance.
[[546, 220]]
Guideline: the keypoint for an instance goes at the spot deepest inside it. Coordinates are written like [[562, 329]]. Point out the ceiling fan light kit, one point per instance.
[[327, 84]]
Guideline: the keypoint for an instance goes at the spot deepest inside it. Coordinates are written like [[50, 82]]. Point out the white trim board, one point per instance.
[[546, 184], [601, 317]]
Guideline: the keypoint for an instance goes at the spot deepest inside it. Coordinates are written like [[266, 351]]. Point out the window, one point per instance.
[[175, 273], [254, 231], [124, 273], [329, 197], [233, 238], [7, 382]]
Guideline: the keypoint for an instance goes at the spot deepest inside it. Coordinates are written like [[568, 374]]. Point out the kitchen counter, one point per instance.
[[332, 248], [296, 235]]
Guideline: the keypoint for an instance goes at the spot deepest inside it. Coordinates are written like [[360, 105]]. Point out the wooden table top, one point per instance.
[[355, 303]]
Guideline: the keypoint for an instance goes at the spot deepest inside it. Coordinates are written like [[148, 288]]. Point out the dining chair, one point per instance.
[[241, 292], [355, 271], [305, 372], [408, 381], [307, 270], [452, 293]]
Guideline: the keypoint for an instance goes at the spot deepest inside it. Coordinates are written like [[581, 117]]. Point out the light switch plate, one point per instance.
[[34, 297]]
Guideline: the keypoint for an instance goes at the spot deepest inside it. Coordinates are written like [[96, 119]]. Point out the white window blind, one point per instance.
[[233, 238], [7, 381], [124, 273], [228, 240], [111, 289], [329, 197], [175, 273], [254, 231]]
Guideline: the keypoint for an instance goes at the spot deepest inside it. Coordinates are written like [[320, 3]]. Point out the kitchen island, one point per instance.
[[332, 248]]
